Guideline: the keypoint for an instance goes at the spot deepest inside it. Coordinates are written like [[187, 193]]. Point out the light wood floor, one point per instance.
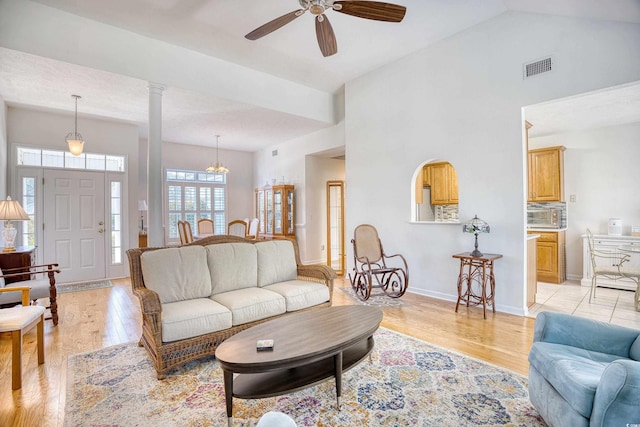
[[99, 318]]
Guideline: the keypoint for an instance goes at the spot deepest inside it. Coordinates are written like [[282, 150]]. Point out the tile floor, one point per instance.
[[610, 305]]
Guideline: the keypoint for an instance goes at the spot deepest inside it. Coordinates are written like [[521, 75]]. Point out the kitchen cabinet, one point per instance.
[[275, 210], [610, 244], [546, 174], [443, 180], [550, 256], [532, 269], [426, 176]]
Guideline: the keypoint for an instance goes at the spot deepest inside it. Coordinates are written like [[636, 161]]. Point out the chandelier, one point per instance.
[[74, 139], [218, 167]]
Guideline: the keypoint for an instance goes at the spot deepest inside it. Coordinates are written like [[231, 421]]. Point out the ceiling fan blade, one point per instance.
[[271, 26], [372, 10], [326, 37]]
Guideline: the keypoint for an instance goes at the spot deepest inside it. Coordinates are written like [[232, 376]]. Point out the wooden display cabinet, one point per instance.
[[546, 174], [275, 209]]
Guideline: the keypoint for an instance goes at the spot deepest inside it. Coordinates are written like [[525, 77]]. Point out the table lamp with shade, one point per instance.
[[142, 207], [10, 210], [476, 226]]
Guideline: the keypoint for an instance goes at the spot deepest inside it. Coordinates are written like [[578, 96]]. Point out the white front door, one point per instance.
[[74, 228]]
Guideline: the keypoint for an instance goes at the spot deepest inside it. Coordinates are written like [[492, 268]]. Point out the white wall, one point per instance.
[[290, 163], [4, 175], [601, 169], [461, 100]]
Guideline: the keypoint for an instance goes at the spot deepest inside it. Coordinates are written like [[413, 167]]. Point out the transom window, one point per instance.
[[65, 160], [194, 195]]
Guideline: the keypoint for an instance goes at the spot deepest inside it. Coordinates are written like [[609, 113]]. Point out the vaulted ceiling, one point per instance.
[[216, 28]]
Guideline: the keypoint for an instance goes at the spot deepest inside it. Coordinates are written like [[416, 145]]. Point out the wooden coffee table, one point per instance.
[[309, 347]]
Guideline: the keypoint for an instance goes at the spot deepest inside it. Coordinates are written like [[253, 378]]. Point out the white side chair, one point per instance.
[[610, 265], [19, 320], [253, 229]]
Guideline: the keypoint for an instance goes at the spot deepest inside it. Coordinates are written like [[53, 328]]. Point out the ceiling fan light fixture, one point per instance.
[[74, 139], [317, 7], [366, 9]]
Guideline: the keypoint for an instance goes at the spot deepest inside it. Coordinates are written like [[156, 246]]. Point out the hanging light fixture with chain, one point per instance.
[[218, 167], [74, 139]]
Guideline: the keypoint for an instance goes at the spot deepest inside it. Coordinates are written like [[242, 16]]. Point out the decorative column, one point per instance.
[[155, 179]]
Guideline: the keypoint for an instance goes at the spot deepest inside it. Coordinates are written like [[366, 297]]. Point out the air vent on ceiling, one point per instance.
[[274, 153], [537, 67]]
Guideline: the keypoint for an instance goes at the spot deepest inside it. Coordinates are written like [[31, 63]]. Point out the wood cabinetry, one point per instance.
[[546, 174], [22, 257], [532, 271], [426, 176], [443, 180], [550, 256], [275, 210]]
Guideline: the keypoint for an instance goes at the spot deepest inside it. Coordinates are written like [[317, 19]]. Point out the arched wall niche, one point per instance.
[[434, 193]]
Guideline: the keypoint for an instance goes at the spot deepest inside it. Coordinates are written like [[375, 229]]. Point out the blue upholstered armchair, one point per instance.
[[584, 373]]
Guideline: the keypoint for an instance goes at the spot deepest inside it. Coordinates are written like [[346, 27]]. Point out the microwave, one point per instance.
[[543, 218]]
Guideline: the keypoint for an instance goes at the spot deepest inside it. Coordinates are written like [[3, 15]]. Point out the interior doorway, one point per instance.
[[335, 226]]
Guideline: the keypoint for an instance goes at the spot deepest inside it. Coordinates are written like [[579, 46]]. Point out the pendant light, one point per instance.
[[74, 139], [218, 167]]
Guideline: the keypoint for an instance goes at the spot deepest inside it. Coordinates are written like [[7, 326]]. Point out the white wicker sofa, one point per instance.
[[195, 296]]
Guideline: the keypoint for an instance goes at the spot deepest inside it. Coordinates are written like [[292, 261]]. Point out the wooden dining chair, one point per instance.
[[184, 231], [17, 321], [205, 226], [237, 227]]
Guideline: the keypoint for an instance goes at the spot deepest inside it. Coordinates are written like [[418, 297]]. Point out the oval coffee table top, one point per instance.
[[305, 336]]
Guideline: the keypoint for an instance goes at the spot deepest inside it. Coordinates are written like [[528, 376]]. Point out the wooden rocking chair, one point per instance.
[[371, 269]]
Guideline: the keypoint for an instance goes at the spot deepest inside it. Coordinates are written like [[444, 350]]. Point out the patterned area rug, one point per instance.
[[407, 383], [83, 286], [376, 300]]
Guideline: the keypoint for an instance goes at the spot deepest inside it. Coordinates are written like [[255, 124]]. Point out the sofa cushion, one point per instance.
[[39, 289], [634, 352], [177, 274], [190, 318], [251, 304], [232, 266], [276, 262], [300, 294], [572, 371]]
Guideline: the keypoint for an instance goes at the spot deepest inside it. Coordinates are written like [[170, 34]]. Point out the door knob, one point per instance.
[[101, 223], [100, 230]]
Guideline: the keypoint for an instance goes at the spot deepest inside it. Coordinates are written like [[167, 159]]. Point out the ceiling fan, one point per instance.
[[378, 11]]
